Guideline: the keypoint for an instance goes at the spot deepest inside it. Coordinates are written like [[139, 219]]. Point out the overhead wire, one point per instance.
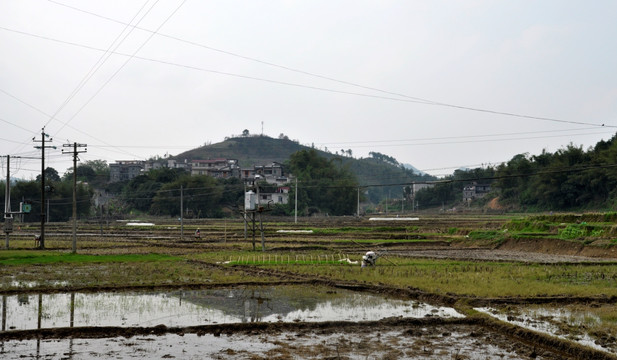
[[286, 83], [95, 67], [416, 99], [48, 115], [348, 83], [102, 59], [457, 137], [481, 141], [123, 65]]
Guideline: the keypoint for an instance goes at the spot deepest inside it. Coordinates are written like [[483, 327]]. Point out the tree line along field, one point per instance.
[[455, 260]]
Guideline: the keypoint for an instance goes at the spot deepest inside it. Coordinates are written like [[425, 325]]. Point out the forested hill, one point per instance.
[[263, 150], [569, 179], [248, 150]]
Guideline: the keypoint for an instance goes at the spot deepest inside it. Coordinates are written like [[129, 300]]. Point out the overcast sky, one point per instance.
[[427, 82]]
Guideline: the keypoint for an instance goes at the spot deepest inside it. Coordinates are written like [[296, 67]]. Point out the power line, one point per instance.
[[66, 124], [480, 141], [123, 65], [457, 137], [99, 63], [416, 99], [15, 125], [500, 177], [278, 82], [89, 75]]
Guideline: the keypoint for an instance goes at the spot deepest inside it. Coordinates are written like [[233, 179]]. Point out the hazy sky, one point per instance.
[[133, 79]]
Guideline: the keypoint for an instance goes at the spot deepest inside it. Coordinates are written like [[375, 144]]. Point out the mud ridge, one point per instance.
[[529, 337], [93, 332]]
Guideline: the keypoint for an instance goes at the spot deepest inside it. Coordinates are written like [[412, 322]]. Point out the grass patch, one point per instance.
[[42, 257], [116, 271], [485, 279], [579, 231], [493, 236]]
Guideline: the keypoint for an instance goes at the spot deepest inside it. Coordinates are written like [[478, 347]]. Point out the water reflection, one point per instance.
[[203, 307], [552, 321]]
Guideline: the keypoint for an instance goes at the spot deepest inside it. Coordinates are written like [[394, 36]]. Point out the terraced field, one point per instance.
[[445, 286]]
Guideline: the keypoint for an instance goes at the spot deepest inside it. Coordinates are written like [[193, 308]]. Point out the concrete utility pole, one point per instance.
[[74, 152], [43, 147], [181, 212], [7, 201], [296, 203], [358, 207]]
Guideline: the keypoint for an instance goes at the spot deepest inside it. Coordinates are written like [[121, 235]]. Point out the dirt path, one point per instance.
[[483, 254]]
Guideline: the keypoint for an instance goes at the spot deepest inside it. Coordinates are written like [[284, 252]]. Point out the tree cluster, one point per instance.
[[159, 192], [569, 179], [383, 157], [327, 186], [449, 190], [58, 197]]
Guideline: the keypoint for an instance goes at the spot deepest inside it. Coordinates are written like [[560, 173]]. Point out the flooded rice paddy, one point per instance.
[[436, 334], [583, 325], [204, 307], [460, 342]]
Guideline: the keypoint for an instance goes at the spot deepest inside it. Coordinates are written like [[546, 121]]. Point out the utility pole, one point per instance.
[[181, 212], [244, 214], [8, 218], [74, 152], [387, 200], [43, 147], [24, 207], [296, 203], [358, 207]]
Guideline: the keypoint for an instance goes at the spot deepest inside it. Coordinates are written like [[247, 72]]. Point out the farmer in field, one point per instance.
[[369, 259], [197, 234]]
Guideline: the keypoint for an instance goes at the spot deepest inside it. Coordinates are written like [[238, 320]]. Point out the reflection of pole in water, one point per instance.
[[3, 318], [72, 309], [38, 340], [247, 310], [3, 313], [70, 354], [40, 311]]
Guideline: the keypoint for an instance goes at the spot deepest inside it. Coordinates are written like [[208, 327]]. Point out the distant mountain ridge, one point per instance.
[[412, 168]]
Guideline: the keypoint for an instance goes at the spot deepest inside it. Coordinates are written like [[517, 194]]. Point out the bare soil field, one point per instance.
[[474, 336]]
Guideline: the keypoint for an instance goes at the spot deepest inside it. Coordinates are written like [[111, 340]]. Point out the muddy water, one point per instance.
[[570, 323], [439, 343], [204, 307]]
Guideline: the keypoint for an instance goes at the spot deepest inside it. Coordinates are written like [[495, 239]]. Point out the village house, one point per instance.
[[174, 164], [272, 174], [218, 168], [475, 191], [123, 170], [281, 196]]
